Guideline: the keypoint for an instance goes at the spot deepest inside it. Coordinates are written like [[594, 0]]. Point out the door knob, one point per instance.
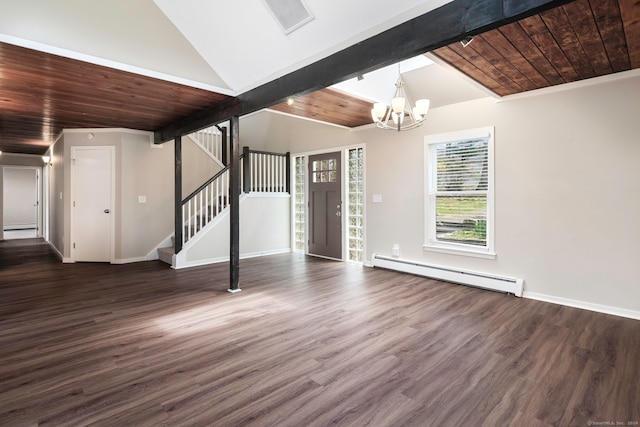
[[107, 211]]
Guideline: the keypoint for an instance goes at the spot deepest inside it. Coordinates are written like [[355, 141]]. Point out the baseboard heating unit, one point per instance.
[[473, 278]]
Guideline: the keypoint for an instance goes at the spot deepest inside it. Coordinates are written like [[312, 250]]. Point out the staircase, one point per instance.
[[212, 141], [260, 172]]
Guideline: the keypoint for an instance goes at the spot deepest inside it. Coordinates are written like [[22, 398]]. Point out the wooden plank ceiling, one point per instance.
[[40, 93], [329, 105], [580, 40]]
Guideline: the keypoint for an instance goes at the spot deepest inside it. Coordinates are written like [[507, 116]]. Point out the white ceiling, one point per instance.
[[133, 35], [227, 47], [243, 42], [423, 78]]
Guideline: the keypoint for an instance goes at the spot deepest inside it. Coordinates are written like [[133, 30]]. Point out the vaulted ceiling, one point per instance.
[[60, 69]]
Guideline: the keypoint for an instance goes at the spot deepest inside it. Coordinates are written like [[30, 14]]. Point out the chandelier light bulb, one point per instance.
[[379, 110], [397, 104], [422, 105]]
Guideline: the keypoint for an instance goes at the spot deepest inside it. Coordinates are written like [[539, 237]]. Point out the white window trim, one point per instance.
[[431, 244]]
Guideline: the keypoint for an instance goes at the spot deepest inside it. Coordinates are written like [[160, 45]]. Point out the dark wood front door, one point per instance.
[[325, 205]]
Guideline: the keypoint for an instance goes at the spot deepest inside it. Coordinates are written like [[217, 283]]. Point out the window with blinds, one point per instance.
[[459, 191]]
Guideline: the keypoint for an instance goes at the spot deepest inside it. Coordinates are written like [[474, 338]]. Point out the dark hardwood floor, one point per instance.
[[308, 342]]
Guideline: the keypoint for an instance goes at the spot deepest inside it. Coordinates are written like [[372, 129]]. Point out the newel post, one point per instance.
[[179, 223], [246, 170], [234, 183], [288, 172], [225, 147]]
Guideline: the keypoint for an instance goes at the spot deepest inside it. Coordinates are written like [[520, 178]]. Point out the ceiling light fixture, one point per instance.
[[290, 101], [403, 116]]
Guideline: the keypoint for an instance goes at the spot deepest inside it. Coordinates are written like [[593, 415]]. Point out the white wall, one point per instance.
[[567, 180], [197, 168], [57, 196], [146, 171], [141, 170], [567, 185], [271, 131], [264, 229]]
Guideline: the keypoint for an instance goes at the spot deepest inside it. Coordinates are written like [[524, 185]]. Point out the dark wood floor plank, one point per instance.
[[308, 342]]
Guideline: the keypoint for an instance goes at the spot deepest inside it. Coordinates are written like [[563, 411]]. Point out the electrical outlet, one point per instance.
[[395, 251]]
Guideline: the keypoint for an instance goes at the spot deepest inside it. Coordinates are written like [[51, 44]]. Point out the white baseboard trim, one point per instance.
[[631, 314], [129, 260], [200, 262], [30, 226], [57, 252]]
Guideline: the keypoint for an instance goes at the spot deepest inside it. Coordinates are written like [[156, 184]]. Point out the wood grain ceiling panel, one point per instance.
[[330, 105], [568, 42], [499, 62], [583, 23], [41, 94], [510, 54], [528, 49], [609, 21], [630, 14], [576, 41], [467, 67]]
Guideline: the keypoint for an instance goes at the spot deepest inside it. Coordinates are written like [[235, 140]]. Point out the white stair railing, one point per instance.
[[204, 204], [210, 141], [266, 173]]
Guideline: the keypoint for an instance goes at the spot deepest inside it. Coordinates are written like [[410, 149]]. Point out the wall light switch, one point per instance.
[[377, 198], [142, 199]]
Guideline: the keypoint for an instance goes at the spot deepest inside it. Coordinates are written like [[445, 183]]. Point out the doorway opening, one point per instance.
[[21, 206]]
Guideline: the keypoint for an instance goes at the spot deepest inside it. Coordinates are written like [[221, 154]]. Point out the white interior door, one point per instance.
[[92, 199]]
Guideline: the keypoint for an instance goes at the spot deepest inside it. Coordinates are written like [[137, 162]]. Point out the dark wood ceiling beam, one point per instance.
[[442, 26]]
